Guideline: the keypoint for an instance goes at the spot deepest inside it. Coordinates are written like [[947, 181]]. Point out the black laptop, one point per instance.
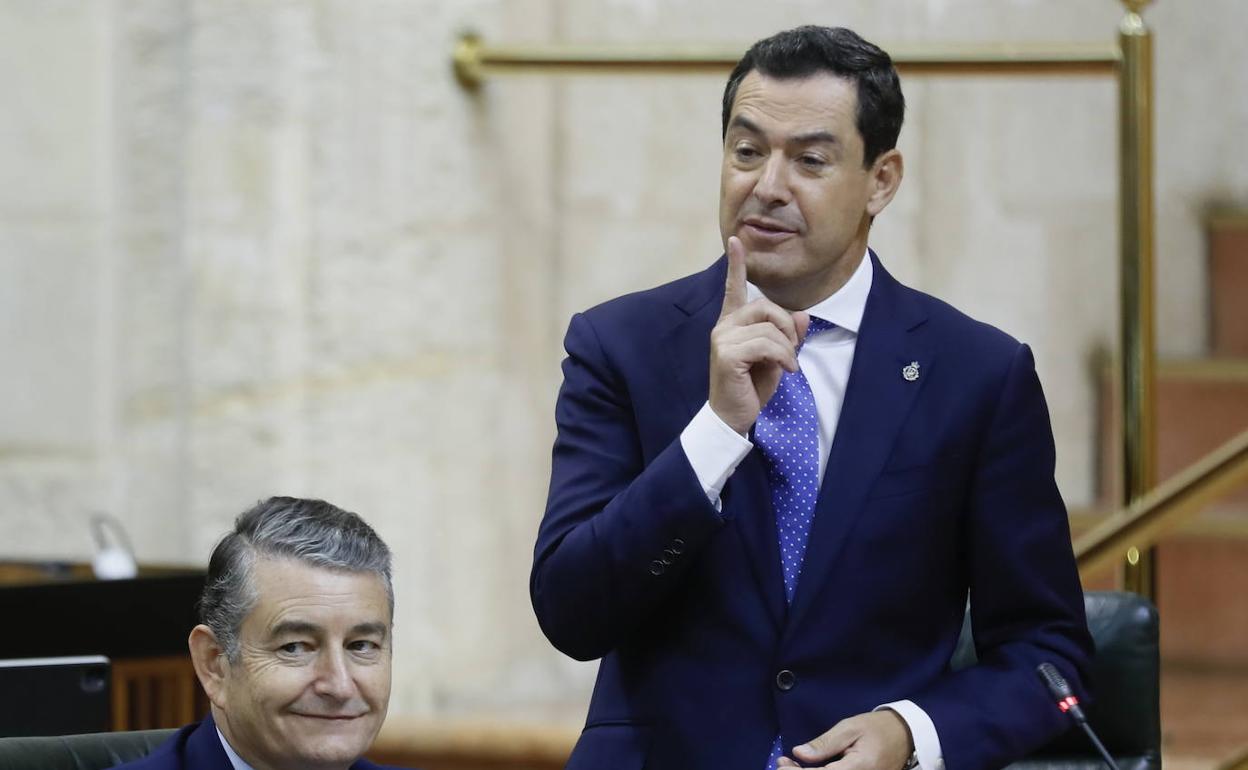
[[54, 696]]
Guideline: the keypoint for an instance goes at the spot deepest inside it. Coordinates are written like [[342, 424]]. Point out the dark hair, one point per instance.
[[797, 53], [312, 531]]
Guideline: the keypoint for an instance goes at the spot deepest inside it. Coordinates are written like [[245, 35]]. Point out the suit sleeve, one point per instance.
[[619, 528], [1025, 597]]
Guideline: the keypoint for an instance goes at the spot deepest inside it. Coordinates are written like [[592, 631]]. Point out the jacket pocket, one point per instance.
[[611, 746]]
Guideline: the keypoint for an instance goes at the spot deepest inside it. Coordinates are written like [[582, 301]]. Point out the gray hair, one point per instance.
[[311, 531]]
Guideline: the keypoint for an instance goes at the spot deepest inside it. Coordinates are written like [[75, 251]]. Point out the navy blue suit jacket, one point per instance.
[[197, 747], [935, 489]]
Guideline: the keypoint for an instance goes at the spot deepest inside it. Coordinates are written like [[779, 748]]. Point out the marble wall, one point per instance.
[[273, 247]]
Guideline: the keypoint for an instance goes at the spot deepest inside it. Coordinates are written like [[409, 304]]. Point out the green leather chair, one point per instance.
[[1125, 712], [95, 751]]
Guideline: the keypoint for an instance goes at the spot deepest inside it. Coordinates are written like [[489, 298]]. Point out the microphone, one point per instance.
[[1067, 701]]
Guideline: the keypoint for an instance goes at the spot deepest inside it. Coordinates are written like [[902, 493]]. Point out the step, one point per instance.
[[1227, 234], [1204, 715]]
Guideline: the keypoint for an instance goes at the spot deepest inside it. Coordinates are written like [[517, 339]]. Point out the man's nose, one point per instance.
[[333, 676], [772, 187]]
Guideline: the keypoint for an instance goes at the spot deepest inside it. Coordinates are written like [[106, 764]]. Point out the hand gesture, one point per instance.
[[752, 345]]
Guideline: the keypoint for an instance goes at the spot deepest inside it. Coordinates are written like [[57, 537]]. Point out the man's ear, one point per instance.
[[886, 173], [211, 665]]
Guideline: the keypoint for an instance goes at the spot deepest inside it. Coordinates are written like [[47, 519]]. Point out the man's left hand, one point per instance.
[[879, 740]]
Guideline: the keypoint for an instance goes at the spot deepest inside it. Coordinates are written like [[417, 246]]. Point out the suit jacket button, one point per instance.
[[657, 568], [678, 546], [786, 680], [670, 554]]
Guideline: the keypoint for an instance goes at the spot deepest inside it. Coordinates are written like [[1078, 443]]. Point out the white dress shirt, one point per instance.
[[715, 450], [234, 758]]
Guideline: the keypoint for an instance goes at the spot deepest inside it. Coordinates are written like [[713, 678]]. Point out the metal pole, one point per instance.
[[1135, 118]]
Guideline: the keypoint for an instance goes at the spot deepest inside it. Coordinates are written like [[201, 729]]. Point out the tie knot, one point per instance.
[[817, 325]]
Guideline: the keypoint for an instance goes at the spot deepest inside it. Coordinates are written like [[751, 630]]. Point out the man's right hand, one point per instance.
[[752, 345]]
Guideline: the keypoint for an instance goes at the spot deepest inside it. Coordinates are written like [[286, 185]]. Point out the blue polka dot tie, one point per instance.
[[787, 433]]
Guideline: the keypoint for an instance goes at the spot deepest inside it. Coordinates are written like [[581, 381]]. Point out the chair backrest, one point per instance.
[[95, 751], [1125, 711]]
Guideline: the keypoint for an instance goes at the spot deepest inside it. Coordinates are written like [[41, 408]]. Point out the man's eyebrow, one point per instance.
[[298, 627], [739, 121], [295, 627], [375, 628], [809, 137], [814, 137]]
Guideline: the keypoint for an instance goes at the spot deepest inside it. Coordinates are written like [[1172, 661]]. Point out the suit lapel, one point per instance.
[[746, 498], [689, 343], [877, 400], [204, 750]]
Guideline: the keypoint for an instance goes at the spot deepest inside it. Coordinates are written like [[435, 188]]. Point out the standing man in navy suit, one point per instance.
[[776, 483], [294, 647]]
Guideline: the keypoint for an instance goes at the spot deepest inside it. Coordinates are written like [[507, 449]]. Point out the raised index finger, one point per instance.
[[734, 287]]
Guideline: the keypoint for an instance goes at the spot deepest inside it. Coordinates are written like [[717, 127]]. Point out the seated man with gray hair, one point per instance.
[[294, 644]]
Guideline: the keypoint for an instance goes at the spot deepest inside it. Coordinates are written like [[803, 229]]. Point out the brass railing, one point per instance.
[[1130, 61], [474, 61], [1165, 507]]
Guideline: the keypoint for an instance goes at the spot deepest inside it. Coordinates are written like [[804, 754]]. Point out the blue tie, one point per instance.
[[787, 433]]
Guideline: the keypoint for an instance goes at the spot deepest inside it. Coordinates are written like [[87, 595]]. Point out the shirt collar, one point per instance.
[[234, 758], [847, 304]]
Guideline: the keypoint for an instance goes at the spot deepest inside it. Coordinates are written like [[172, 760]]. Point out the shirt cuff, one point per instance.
[[714, 451], [922, 732]]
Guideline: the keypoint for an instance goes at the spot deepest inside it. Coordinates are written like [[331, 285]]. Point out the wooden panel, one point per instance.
[[24, 573], [1204, 714], [41, 572], [1228, 284], [1201, 599], [152, 693]]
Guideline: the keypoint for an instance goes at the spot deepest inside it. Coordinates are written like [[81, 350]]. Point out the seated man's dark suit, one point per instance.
[[935, 487], [198, 747]]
